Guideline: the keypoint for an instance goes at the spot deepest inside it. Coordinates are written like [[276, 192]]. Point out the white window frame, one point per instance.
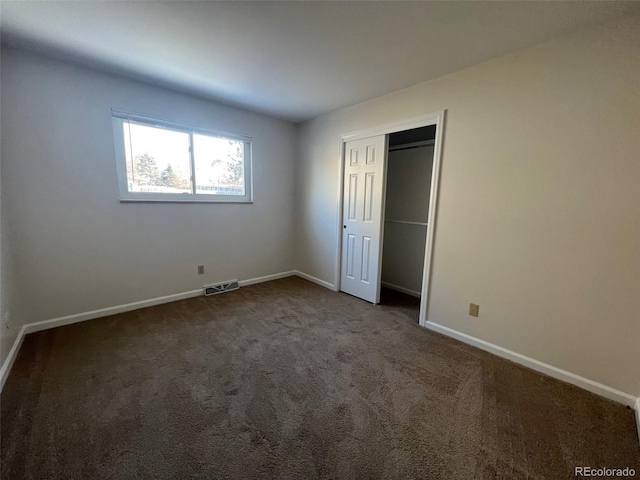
[[118, 119]]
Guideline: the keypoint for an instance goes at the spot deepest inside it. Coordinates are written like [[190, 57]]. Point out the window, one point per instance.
[[159, 161]]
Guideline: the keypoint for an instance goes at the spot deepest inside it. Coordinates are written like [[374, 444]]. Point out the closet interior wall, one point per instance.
[[406, 211]]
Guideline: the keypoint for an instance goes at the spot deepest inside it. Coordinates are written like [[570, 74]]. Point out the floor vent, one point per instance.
[[221, 287]]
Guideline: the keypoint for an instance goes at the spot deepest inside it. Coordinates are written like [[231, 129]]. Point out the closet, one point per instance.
[[408, 188], [388, 201]]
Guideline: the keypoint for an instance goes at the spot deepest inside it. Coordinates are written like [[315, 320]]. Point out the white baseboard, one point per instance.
[[313, 279], [104, 312], [13, 353], [266, 278], [413, 293], [585, 383], [638, 417]]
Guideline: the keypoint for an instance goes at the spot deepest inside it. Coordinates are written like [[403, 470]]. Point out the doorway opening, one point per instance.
[[389, 179], [406, 218]]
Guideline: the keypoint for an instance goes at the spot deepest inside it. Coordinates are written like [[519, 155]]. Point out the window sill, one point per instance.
[[186, 200]]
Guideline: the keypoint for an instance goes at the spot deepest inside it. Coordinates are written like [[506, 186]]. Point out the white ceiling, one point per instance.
[[292, 60]]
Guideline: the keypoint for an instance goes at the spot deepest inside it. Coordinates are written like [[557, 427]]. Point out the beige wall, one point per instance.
[[539, 208], [75, 247], [12, 315]]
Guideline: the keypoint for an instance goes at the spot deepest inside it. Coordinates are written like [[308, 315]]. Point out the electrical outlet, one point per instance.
[[474, 309], [200, 269]]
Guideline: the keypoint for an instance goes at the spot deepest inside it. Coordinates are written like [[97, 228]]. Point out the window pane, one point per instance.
[[158, 159], [219, 164]]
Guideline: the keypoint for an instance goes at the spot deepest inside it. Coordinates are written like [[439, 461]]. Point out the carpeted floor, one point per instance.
[[289, 380], [402, 302]]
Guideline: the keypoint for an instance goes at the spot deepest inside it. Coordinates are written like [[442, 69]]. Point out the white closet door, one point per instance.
[[362, 217]]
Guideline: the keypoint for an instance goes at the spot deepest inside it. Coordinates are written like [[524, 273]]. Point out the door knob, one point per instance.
[[344, 226]]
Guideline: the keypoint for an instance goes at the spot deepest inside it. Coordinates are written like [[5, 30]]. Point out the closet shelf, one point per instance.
[[406, 222]]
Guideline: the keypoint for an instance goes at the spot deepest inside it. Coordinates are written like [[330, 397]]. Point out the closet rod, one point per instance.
[[404, 146], [406, 222]]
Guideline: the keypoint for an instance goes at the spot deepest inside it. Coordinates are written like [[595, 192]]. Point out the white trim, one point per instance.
[[316, 280], [266, 278], [339, 201], [182, 127], [104, 312], [638, 417], [577, 380], [413, 293], [406, 124], [431, 219], [13, 353], [383, 215]]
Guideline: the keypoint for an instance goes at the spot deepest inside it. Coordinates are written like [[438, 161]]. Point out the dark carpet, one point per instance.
[[289, 380]]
